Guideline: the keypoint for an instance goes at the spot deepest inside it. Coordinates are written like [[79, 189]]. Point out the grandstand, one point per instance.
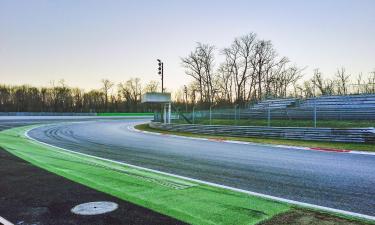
[[346, 101], [348, 107], [275, 104], [335, 101]]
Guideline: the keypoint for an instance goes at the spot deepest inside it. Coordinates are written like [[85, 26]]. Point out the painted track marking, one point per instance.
[[4, 221]]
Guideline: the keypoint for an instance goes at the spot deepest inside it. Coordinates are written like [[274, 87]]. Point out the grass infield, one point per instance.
[[184, 200]]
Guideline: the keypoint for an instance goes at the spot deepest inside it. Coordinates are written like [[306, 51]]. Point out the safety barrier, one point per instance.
[[358, 135], [45, 114], [287, 113]]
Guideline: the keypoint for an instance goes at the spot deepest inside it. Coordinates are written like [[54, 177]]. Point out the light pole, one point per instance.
[[161, 73]]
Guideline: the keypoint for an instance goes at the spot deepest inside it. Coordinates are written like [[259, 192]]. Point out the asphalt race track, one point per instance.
[[337, 180]]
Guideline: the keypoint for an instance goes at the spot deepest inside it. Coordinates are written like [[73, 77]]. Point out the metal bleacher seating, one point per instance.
[[348, 107], [274, 104], [347, 101]]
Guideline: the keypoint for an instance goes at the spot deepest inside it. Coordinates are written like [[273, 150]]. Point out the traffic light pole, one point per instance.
[[161, 72], [162, 77]]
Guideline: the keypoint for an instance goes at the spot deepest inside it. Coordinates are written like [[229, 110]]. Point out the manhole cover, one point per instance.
[[94, 208]]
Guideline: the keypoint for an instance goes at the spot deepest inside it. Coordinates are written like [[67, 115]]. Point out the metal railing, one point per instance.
[[359, 135], [294, 116]]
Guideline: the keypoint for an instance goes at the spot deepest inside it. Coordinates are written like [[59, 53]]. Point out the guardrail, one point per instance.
[[45, 114], [322, 113], [357, 135], [71, 114], [288, 113]]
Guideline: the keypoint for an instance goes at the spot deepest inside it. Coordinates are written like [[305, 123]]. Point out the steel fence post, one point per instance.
[[269, 116], [193, 115], [210, 115], [235, 115], [315, 112], [239, 114]]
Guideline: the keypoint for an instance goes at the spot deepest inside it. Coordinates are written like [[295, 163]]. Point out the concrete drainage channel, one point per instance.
[[94, 208]]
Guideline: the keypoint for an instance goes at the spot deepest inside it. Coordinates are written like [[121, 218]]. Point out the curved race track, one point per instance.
[[337, 180]]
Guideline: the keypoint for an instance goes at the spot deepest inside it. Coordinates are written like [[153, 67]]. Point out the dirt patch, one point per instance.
[[308, 217], [30, 195]]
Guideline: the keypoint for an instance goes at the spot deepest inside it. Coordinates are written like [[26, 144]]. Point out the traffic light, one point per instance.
[[159, 69]]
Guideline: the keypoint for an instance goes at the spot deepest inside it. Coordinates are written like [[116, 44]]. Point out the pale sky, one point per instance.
[[83, 41]]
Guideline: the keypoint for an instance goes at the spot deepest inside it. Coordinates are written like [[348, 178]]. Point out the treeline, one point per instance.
[[62, 98], [252, 70]]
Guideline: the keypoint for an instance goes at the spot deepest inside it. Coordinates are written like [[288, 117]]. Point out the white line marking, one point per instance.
[[362, 153], [303, 204], [4, 221]]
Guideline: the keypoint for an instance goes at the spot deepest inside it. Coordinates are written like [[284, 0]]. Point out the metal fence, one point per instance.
[[357, 135], [45, 114], [282, 117]]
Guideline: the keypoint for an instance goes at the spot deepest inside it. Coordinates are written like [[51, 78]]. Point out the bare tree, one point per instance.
[[262, 62], [371, 83], [206, 53], [199, 65], [131, 91], [325, 86], [151, 86], [224, 82], [107, 85], [238, 63], [194, 67], [359, 83], [287, 77], [342, 81]]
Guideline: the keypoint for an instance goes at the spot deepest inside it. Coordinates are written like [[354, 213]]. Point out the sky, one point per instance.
[[84, 41]]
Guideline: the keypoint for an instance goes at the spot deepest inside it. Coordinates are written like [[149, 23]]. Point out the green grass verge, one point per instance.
[[125, 114], [286, 123], [321, 144], [187, 201]]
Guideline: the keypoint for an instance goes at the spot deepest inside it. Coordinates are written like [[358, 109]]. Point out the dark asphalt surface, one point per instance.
[[48, 198], [337, 180]]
